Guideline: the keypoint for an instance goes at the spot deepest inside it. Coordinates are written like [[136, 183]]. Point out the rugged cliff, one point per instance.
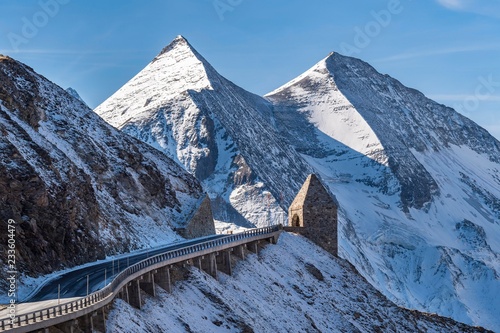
[[77, 188]]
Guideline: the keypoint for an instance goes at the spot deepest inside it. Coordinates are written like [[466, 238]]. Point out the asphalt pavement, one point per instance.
[[83, 281]]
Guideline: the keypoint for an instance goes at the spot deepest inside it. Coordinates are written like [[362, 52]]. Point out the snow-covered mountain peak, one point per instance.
[[319, 70], [178, 42], [428, 199], [377, 116], [180, 105], [175, 70], [332, 113]]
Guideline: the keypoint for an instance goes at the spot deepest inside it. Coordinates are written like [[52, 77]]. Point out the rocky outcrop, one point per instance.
[[77, 188], [201, 223]]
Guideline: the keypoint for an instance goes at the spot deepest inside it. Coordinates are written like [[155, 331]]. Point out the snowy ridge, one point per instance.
[[75, 94], [329, 106]]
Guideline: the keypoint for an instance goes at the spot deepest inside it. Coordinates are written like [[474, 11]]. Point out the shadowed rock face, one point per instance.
[[202, 222], [77, 188], [54, 225]]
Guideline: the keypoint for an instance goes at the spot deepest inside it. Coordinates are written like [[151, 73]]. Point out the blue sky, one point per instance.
[[448, 49]]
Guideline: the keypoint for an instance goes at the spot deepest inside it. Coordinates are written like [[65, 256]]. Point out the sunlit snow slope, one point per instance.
[[418, 185]]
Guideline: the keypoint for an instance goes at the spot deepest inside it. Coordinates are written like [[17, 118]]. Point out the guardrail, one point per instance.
[[105, 295]]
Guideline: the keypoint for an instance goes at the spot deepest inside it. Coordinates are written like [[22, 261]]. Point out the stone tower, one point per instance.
[[313, 214]]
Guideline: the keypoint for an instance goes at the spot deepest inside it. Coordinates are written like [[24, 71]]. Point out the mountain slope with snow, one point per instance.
[[180, 105], [418, 185], [77, 188], [292, 287]]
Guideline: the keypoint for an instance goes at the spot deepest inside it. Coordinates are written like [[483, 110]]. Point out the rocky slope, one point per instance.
[[418, 185], [77, 188], [292, 287], [179, 104]]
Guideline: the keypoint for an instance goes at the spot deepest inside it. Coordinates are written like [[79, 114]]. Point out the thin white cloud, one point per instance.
[[68, 52], [434, 52], [453, 4], [489, 8], [463, 97]]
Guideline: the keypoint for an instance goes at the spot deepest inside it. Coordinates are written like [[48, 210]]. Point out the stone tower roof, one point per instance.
[[312, 193]]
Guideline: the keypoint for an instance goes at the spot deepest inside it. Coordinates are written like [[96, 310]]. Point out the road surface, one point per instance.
[[83, 281]]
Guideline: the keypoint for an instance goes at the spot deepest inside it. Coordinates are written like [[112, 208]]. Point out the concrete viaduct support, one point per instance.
[[209, 264], [134, 293], [148, 284], [89, 323], [240, 251], [197, 262], [162, 278], [253, 247], [223, 262]]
